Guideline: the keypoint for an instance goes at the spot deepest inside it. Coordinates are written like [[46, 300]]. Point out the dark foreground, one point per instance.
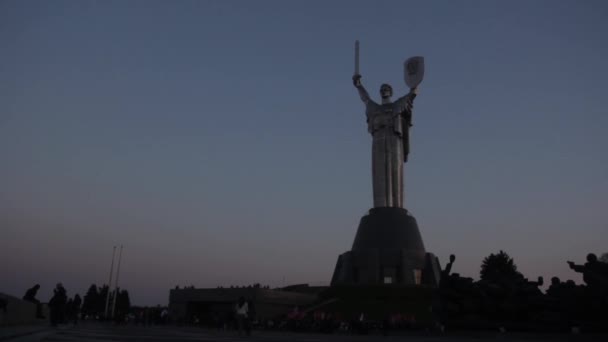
[[102, 332]]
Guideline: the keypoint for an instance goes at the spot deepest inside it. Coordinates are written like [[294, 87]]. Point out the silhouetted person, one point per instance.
[[555, 293], [57, 305], [595, 273], [362, 324], [555, 282], [76, 308], [242, 309], [541, 281], [30, 296], [68, 309], [164, 316]]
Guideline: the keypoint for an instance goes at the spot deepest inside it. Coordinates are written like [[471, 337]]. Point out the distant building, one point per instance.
[[212, 304]]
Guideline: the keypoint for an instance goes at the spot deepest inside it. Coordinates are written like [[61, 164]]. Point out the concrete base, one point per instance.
[[387, 250], [18, 312]]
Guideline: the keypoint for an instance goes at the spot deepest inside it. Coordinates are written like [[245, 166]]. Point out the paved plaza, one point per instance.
[[102, 332]]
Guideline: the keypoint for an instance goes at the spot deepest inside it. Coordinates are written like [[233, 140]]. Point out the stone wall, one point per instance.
[[17, 311]]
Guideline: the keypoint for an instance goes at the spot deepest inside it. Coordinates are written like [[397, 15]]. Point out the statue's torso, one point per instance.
[[383, 118]]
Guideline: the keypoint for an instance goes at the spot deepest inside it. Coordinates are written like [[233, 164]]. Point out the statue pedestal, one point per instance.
[[387, 250]]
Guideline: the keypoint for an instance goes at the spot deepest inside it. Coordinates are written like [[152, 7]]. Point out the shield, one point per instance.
[[413, 71]]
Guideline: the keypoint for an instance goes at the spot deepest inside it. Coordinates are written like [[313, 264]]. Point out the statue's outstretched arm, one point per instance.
[[576, 268], [406, 102]]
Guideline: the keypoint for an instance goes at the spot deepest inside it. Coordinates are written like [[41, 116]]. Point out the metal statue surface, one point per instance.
[[389, 122]]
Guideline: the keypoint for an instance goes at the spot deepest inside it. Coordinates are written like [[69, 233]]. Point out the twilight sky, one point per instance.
[[222, 142]]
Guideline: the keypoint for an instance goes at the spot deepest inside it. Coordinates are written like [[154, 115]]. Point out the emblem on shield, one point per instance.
[[413, 71]]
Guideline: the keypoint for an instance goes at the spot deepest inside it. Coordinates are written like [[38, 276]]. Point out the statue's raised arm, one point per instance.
[[362, 92], [405, 103]]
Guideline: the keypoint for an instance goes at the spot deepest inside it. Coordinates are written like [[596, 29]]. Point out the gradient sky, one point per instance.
[[222, 142]]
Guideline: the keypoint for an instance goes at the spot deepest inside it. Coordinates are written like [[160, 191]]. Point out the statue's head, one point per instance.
[[591, 257], [386, 91]]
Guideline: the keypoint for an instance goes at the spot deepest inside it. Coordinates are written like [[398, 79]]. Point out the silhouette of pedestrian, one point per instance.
[[76, 308], [242, 309], [30, 296], [57, 305]]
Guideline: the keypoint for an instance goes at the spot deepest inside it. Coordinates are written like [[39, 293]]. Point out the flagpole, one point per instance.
[[110, 282], [116, 283]]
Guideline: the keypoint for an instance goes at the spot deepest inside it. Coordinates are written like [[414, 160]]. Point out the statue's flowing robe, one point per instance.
[[388, 123]]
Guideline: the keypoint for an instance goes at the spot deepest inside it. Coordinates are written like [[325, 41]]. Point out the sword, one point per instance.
[[356, 57]]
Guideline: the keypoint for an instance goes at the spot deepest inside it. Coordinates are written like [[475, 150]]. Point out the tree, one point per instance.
[[101, 303], [95, 301], [123, 302], [498, 268], [91, 298]]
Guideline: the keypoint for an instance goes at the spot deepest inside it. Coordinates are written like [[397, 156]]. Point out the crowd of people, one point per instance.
[[61, 308], [243, 319]]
